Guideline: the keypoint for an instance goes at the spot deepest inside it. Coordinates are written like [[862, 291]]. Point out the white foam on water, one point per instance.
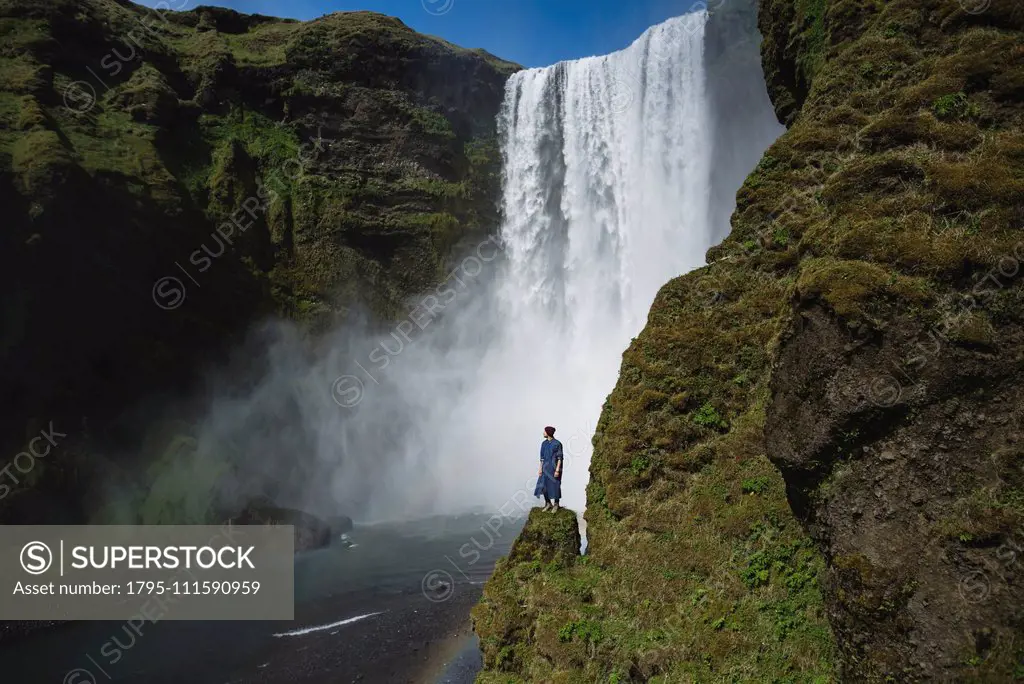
[[323, 628]]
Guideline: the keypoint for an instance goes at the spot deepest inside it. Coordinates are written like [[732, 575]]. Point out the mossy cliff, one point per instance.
[[810, 468], [342, 160]]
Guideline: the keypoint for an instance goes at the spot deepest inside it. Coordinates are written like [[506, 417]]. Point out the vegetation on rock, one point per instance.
[[859, 331], [889, 379], [302, 169], [696, 569]]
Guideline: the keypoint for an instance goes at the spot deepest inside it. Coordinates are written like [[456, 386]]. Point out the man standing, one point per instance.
[[549, 475]]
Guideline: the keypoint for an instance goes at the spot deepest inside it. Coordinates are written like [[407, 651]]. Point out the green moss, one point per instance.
[[811, 15], [429, 122], [846, 285], [707, 416], [20, 34], [975, 328], [202, 53], [989, 515], [30, 114], [22, 75], [339, 41], [147, 96], [755, 485], [954, 106], [639, 465], [41, 160], [978, 182], [585, 630], [435, 187], [895, 129], [268, 142], [264, 45], [857, 290], [781, 237]]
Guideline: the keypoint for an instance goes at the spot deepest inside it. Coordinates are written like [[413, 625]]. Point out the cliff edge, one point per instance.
[[810, 467]]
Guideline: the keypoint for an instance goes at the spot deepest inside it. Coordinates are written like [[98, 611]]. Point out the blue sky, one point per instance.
[[530, 32]]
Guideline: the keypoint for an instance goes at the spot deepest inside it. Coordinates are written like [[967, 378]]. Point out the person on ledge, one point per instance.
[[549, 475]]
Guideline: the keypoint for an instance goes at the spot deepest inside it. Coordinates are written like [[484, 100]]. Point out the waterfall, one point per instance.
[[607, 172], [619, 172]]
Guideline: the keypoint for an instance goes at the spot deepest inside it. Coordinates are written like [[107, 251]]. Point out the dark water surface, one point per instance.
[[409, 579]]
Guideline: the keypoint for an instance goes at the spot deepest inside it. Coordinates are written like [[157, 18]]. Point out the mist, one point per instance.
[[618, 173]]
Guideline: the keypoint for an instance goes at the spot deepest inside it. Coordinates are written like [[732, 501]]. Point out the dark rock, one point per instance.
[[28, 506], [339, 524], [910, 580], [310, 531]]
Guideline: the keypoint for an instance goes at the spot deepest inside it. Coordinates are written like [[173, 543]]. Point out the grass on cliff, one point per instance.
[[696, 569], [899, 187], [264, 45], [812, 54], [273, 146], [899, 182]]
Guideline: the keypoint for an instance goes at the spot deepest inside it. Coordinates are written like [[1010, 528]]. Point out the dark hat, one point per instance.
[[549, 431]]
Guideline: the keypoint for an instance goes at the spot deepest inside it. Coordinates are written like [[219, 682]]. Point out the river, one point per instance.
[[392, 608]]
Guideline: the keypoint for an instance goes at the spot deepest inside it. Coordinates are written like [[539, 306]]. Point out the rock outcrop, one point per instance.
[[859, 332], [548, 542], [311, 532], [893, 412]]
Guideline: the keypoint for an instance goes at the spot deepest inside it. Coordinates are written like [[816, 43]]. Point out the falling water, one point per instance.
[[607, 172], [609, 192]]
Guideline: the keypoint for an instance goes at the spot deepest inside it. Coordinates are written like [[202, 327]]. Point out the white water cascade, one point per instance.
[[607, 172], [606, 187], [619, 173], [607, 165]]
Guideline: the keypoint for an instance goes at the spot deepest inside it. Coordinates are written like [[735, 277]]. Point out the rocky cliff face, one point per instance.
[[859, 332], [893, 413], [167, 178]]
